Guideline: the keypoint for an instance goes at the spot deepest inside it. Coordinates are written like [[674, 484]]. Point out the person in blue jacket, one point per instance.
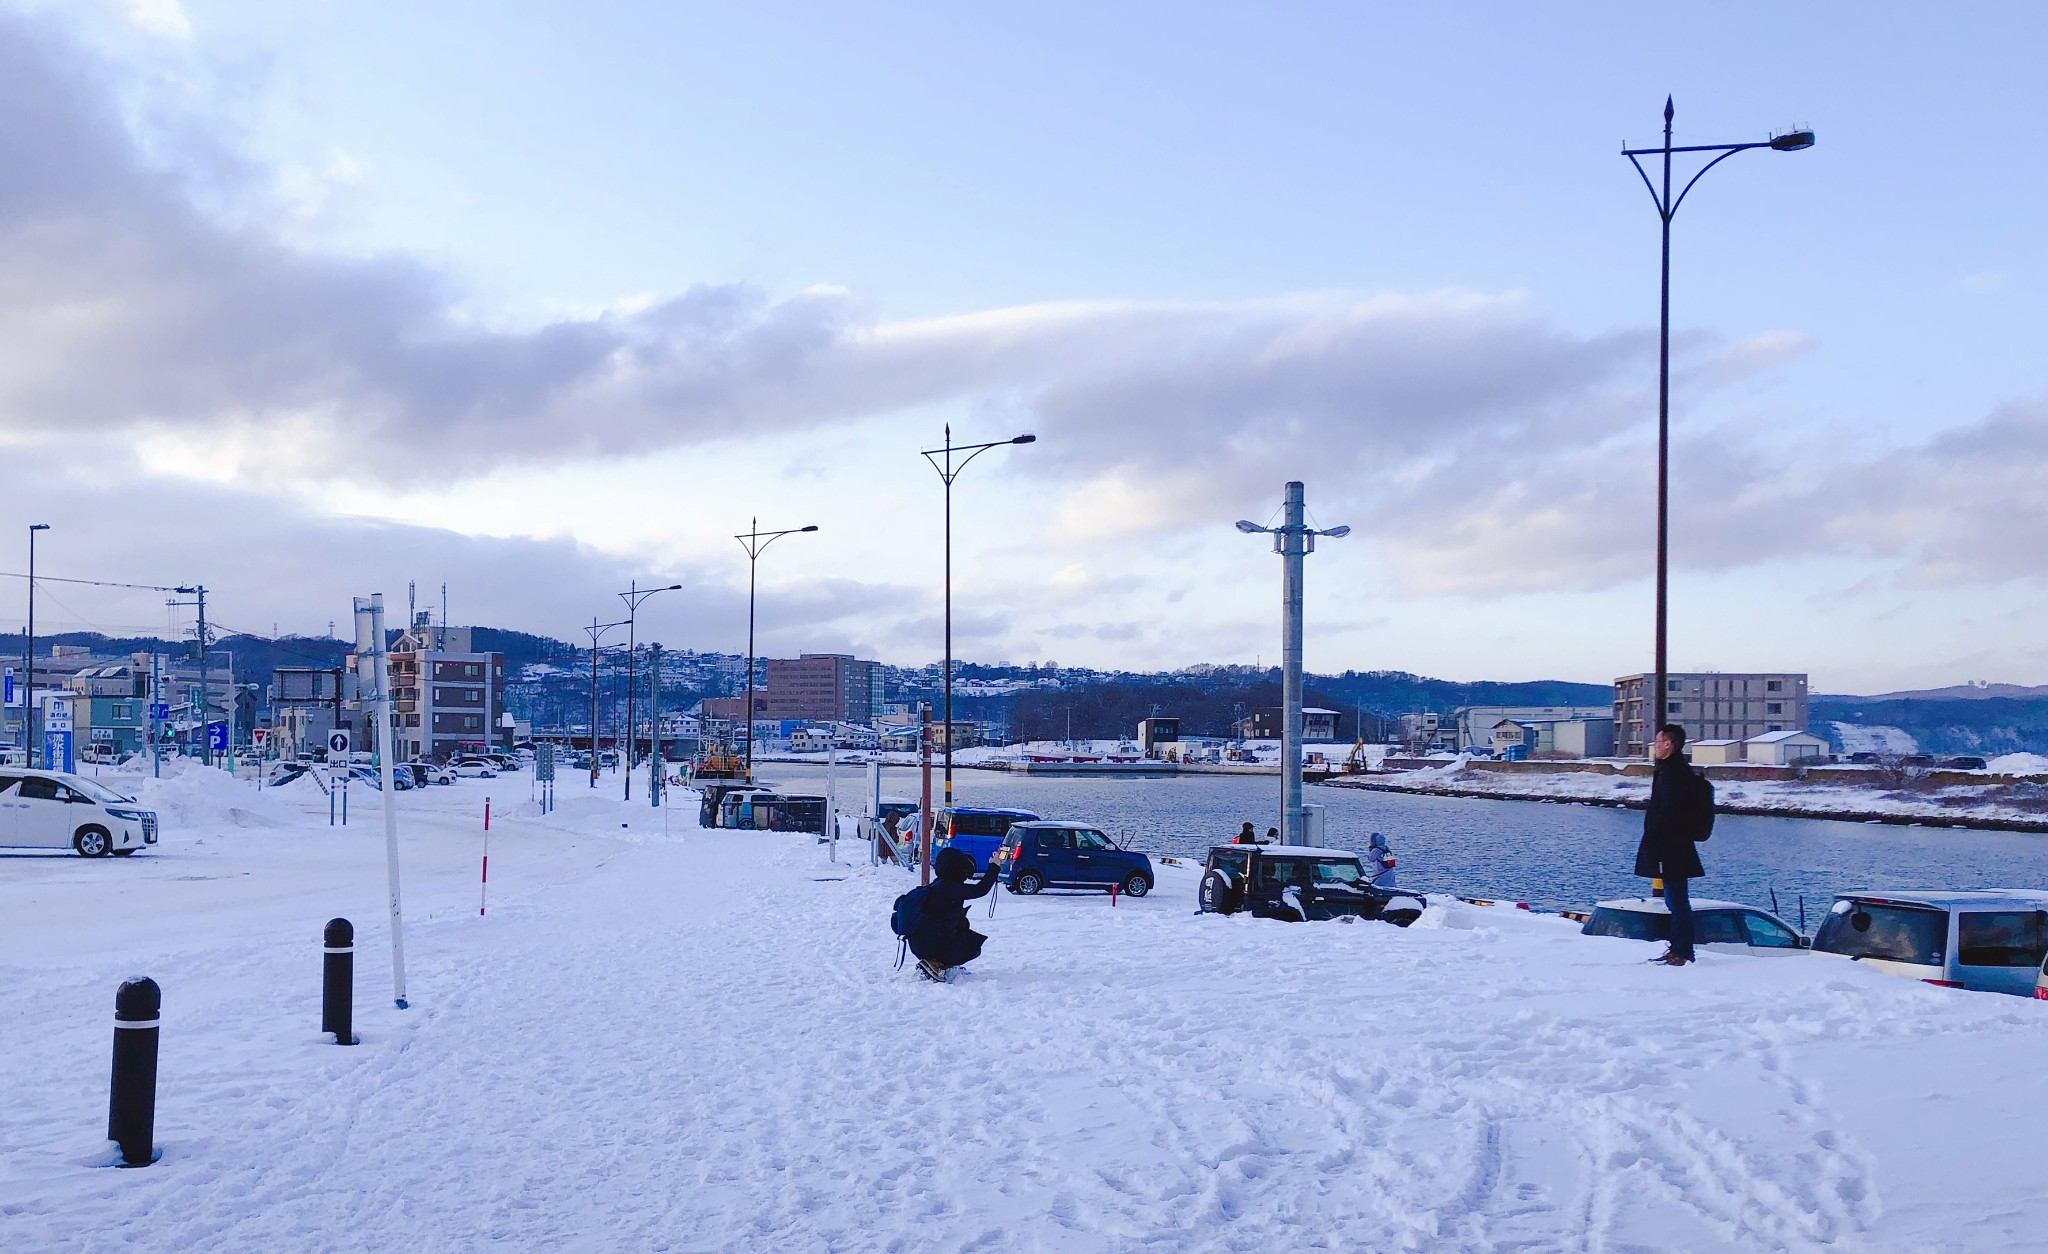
[[942, 940]]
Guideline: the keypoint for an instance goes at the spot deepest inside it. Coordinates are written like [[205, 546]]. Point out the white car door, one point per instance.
[[41, 815], [8, 804]]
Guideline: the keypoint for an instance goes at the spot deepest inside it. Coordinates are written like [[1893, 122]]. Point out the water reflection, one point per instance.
[[1547, 855]]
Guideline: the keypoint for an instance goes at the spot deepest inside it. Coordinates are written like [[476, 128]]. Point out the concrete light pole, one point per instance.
[[633, 597], [28, 656], [1293, 540]]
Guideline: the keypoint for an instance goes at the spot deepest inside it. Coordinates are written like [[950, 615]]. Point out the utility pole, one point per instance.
[[198, 591], [1293, 540], [28, 659], [655, 782], [633, 598], [373, 671]]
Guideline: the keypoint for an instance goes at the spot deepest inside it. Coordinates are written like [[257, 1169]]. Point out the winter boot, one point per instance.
[[932, 971]]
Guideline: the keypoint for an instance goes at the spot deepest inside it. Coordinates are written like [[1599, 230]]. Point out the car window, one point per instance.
[[1282, 871], [1999, 939], [1718, 927], [1766, 934], [1893, 933], [105, 796], [1086, 839], [37, 788], [8, 781], [1337, 871], [1055, 838], [1231, 860], [1630, 924]]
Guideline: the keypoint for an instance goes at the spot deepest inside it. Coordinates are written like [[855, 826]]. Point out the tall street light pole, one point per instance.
[[948, 471], [28, 655], [1293, 540], [596, 630], [1651, 713], [633, 598], [754, 541]]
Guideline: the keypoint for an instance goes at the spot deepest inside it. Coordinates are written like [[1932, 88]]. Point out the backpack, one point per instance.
[[1703, 807], [906, 917]]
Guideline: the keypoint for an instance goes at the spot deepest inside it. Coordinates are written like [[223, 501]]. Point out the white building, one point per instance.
[[1783, 748]]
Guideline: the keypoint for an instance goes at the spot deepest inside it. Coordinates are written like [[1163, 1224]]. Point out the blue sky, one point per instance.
[[1390, 250]]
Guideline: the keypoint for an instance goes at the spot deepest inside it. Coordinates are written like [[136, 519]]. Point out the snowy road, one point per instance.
[[698, 1044]]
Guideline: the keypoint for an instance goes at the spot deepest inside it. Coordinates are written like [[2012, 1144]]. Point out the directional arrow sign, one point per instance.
[[337, 742]]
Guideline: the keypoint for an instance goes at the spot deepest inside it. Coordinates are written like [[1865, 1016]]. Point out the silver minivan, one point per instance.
[[1992, 939], [53, 810]]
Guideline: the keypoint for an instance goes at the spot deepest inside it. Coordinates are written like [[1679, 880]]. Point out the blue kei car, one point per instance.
[[1041, 855], [976, 831]]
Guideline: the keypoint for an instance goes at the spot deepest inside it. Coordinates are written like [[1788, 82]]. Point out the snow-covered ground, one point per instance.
[[1991, 803], [697, 1042], [1875, 738]]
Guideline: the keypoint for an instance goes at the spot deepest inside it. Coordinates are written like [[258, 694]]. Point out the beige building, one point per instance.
[[1710, 705]]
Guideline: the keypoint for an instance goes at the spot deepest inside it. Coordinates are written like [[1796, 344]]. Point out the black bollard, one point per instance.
[[337, 984], [131, 1107]]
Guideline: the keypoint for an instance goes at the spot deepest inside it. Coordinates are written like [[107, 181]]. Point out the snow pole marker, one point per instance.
[[484, 885], [1112, 896]]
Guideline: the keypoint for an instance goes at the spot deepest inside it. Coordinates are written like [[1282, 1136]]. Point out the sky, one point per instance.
[[305, 300]]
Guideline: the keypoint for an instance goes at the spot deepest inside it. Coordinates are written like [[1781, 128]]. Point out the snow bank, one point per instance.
[[2018, 764]]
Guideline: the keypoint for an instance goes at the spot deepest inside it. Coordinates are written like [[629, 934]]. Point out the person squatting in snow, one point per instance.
[[942, 940]]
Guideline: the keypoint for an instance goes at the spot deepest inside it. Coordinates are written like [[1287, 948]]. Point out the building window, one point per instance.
[[1774, 685], [1672, 707], [1671, 685], [122, 711], [1774, 707]]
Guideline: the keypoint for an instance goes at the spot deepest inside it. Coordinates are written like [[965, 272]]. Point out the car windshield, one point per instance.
[[1891, 933], [93, 791], [1337, 871], [1631, 924]]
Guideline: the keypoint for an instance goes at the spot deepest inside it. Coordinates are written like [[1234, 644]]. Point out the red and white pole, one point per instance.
[[484, 886]]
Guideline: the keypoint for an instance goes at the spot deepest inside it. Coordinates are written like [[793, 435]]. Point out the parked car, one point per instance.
[[474, 768], [760, 810], [1722, 926], [1993, 940], [1039, 855], [425, 773], [1962, 762], [976, 831], [1297, 883], [714, 796], [286, 772], [401, 779], [55, 810]]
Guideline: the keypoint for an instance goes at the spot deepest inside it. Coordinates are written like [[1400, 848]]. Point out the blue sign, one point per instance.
[[7, 688], [57, 751], [217, 735], [159, 710]]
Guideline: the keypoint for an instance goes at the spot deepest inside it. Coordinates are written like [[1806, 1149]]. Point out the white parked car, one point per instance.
[[1718, 926], [475, 768], [52, 810]]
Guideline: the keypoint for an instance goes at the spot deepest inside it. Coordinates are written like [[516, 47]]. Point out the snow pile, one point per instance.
[[2018, 764], [700, 1043], [191, 795], [1879, 738]]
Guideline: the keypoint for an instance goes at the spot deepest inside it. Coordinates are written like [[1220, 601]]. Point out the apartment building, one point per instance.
[[1710, 705], [836, 687], [445, 700]]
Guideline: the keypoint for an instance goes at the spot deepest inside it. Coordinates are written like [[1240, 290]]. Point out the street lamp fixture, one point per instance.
[[949, 471], [755, 541], [1651, 714], [633, 597], [1293, 539]]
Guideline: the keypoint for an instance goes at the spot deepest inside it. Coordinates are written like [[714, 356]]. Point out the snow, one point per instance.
[[1875, 738], [697, 1041], [2018, 764]]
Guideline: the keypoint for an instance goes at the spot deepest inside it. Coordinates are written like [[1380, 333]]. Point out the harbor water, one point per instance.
[[1549, 855]]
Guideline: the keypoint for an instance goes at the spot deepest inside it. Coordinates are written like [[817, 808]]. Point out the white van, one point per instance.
[[52, 810], [1991, 940]]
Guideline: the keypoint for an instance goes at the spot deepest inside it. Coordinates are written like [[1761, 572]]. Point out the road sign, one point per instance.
[[261, 734], [544, 763], [337, 742], [57, 714], [217, 735], [57, 750], [7, 687], [160, 710]]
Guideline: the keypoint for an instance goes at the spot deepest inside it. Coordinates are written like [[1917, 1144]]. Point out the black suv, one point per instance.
[[1297, 883]]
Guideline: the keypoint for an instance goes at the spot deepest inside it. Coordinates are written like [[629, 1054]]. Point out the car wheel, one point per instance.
[[1136, 884], [1027, 883], [92, 842]]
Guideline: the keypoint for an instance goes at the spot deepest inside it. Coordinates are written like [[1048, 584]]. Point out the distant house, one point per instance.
[[1509, 740], [1784, 748], [1317, 724], [1716, 752]]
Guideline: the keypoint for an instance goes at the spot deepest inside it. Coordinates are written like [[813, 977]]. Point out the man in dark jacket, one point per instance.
[[1671, 823], [942, 940]]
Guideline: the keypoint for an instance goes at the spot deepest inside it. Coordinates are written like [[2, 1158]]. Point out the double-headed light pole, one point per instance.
[[754, 541], [1293, 540], [948, 471], [596, 631], [633, 598], [1651, 713]]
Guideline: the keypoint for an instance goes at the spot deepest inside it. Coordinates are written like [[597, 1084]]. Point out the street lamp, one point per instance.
[[1293, 540], [948, 472], [28, 655], [754, 541], [1667, 207], [633, 599], [596, 631]]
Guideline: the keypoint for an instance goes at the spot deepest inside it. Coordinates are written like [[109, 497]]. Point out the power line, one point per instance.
[[96, 583]]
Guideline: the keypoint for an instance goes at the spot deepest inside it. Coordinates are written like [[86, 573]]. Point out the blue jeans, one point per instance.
[[1678, 899]]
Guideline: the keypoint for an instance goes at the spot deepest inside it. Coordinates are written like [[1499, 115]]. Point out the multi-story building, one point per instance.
[[109, 710], [1709, 705], [445, 701], [829, 686]]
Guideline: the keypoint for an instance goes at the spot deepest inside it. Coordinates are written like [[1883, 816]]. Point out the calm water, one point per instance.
[[1545, 854]]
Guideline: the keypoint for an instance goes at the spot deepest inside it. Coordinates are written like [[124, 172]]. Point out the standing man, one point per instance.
[[1680, 813]]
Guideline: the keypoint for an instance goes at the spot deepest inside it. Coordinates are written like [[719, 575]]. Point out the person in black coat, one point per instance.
[[942, 940], [1672, 822]]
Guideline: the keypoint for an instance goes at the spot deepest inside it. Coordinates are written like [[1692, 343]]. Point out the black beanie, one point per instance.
[[951, 864]]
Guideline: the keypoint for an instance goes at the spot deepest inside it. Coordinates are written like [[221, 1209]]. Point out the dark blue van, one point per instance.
[[975, 830], [1040, 855]]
